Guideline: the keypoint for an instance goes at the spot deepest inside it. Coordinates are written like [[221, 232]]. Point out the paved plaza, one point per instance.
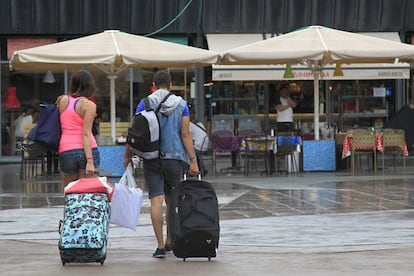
[[303, 224]]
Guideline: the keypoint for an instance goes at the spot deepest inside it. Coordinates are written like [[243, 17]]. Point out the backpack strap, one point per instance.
[[147, 105], [163, 100], [200, 127]]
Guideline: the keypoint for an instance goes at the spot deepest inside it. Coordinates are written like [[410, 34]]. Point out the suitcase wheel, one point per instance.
[[102, 261]]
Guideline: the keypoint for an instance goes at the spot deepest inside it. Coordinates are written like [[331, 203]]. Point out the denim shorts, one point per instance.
[[71, 161], [160, 177]]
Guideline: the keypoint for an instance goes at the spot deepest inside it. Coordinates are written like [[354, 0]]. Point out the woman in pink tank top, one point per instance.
[[78, 151]]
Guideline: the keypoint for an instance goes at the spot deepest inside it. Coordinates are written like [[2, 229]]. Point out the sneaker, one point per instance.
[[159, 253], [168, 248]]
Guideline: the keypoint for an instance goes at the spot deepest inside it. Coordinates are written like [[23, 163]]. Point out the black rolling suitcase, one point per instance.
[[194, 219]]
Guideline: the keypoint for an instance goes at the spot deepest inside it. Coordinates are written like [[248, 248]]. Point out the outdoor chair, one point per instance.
[[393, 141], [363, 143], [33, 161], [33, 155], [248, 125], [285, 153], [256, 148]]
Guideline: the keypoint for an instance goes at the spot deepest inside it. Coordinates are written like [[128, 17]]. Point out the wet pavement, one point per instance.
[[254, 196], [249, 197], [311, 223]]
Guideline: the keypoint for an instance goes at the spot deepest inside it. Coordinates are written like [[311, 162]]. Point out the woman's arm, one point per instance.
[[88, 110]]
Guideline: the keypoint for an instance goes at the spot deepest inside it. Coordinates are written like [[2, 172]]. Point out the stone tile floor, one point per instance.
[[253, 196], [303, 224]]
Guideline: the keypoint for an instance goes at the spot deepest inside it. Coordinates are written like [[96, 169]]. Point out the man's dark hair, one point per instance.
[[162, 79], [284, 86]]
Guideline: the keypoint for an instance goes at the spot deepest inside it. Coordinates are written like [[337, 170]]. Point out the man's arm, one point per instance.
[[291, 102]]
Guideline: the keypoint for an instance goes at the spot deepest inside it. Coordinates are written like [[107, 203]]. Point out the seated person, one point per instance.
[[21, 122], [25, 119], [201, 142]]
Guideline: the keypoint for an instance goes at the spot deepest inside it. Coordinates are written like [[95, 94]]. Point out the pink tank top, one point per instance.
[[71, 123]]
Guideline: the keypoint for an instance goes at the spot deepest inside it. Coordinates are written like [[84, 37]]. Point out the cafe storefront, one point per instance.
[[363, 96], [241, 90]]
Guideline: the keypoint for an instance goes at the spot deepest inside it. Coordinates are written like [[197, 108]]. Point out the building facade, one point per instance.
[[28, 23]]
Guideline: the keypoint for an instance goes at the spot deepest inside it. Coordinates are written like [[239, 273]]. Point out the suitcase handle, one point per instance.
[[198, 176]]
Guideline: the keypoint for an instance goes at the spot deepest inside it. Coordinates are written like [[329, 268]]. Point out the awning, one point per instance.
[[223, 42]]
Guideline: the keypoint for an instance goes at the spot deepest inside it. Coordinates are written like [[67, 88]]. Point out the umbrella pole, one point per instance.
[[131, 94], [112, 79], [65, 74], [316, 103]]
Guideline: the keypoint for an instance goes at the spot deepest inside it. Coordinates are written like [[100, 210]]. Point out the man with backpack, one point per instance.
[[176, 150]]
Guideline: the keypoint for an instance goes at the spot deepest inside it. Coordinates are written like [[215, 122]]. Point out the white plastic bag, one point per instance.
[[126, 201]]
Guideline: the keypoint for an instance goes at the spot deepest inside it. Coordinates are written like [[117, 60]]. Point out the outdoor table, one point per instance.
[[257, 146], [112, 160], [346, 149], [225, 144]]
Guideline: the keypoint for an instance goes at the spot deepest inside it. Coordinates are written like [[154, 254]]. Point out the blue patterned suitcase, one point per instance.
[[84, 228]]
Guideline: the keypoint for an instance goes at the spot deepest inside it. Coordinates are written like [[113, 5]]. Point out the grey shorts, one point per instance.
[[71, 161], [160, 177]]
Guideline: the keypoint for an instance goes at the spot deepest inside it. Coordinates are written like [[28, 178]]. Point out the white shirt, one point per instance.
[[199, 135], [20, 124], [285, 115]]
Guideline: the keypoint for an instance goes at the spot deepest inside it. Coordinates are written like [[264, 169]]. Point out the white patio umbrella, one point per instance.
[[112, 52], [317, 46]]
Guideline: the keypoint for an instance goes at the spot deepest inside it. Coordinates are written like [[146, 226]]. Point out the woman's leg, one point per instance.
[[66, 178]]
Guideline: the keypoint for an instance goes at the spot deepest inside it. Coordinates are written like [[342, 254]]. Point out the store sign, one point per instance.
[[16, 44], [351, 72]]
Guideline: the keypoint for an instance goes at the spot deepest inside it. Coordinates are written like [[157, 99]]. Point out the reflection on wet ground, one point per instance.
[[323, 198], [238, 201]]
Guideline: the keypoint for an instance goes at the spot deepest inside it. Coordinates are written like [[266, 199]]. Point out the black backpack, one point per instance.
[[144, 136]]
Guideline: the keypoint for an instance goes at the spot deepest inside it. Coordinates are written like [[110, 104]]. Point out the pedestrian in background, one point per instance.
[[200, 139], [284, 109], [25, 119]]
